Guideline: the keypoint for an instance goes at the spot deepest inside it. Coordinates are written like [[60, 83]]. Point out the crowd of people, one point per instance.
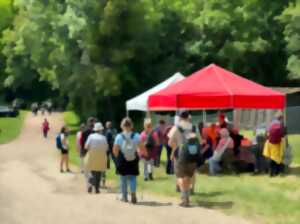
[[188, 148]]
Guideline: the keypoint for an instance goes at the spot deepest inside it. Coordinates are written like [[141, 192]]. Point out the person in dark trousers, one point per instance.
[[160, 130], [85, 134], [110, 134], [96, 146], [64, 149], [274, 147]]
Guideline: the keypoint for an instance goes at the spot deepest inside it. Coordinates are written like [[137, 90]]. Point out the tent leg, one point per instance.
[[204, 116], [148, 114], [127, 113], [285, 125]]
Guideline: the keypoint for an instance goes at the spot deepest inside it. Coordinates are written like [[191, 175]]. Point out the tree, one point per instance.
[[82, 48], [290, 18]]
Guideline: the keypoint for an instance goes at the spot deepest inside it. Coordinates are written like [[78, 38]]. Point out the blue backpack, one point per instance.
[[58, 142]]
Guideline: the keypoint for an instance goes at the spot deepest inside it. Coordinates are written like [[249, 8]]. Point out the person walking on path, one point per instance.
[[274, 146], [125, 150], [148, 152], [97, 147], [81, 151], [110, 134], [45, 128], [185, 153], [64, 149]]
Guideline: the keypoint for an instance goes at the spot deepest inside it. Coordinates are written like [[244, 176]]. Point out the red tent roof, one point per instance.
[[216, 88]]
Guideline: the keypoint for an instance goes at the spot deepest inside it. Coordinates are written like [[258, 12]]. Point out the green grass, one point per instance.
[[260, 199], [73, 122], [11, 127]]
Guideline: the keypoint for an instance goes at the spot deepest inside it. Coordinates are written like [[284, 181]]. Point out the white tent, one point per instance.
[[140, 102]]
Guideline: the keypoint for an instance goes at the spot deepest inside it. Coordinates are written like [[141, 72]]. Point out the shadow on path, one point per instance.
[[212, 205], [154, 203]]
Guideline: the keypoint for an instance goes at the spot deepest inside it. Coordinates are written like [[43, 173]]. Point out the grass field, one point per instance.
[[258, 198], [11, 127]]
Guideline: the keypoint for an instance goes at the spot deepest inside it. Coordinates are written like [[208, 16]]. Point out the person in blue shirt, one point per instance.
[[125, 149]]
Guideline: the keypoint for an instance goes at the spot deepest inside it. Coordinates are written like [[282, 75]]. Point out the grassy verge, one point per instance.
[[73, 122], [11, 127], [258, 198]]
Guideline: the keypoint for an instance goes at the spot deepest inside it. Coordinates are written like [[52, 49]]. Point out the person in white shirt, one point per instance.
[[97, 148]]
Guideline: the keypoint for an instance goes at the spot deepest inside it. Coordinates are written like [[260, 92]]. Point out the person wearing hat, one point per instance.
[[97, 147], [184, 170]]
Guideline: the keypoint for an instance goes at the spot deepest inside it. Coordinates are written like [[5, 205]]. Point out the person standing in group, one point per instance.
[[148, 152], [274, 146], [97, 147], [169, 164], [81, 151], [160, 130], [64, 149], [185, 153], [225, 144], [45, 128], [89, 129], [110, 134], [125, 150]]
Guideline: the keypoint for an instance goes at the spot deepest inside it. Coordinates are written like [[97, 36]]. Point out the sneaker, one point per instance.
[[90, 189], [69, 171], [150, 176], [146, 179], [133, 198], [97, 191], [124, 199], [61, 170]]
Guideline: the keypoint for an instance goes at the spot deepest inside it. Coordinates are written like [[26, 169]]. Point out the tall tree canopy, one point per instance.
[[100, 53]]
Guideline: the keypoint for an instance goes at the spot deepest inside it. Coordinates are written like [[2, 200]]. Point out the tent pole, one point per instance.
[[127, 113], [148, 114], [285, 125]]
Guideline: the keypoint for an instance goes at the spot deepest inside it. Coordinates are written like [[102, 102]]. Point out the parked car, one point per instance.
[[6, 111], [19, 103]]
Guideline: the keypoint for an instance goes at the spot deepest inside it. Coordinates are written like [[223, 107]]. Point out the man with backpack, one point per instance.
[[274, 146], [185, 153], [125, 150], [149, 151]]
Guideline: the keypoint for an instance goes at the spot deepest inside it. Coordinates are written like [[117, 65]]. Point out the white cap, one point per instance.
[[98, 126]]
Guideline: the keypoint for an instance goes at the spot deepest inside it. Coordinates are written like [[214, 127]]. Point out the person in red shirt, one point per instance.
[[45, 128]]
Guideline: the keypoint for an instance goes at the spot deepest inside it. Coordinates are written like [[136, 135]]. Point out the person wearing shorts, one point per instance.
[[184, 170]]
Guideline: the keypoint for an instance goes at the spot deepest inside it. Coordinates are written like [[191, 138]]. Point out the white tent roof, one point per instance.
[[140, 102]]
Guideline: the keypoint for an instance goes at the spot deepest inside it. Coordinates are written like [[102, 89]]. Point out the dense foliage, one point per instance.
[[97, 54]]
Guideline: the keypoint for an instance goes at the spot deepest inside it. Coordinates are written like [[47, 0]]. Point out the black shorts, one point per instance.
[[64, 151]]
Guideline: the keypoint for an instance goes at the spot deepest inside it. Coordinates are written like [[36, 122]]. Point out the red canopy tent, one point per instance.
[[216, 88]]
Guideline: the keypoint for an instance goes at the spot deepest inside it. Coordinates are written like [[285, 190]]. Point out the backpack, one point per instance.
[[189, 151], [129, 149], [58, 142], [150, 142], [275, 134]]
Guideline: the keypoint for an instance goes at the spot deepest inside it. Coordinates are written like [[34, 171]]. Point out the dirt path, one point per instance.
[[32, 191]]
